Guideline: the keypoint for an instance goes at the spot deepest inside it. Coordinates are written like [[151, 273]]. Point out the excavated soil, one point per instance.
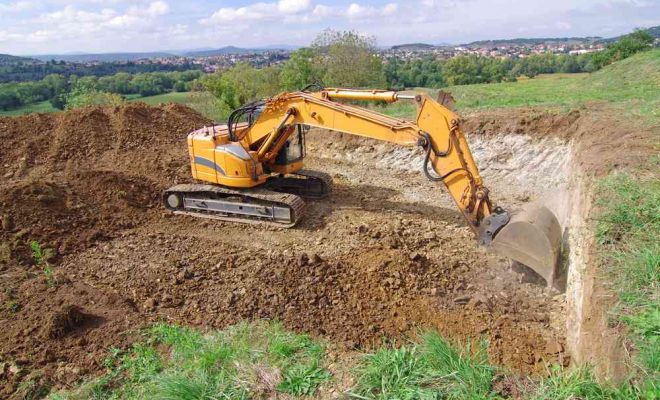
[[387, 253]]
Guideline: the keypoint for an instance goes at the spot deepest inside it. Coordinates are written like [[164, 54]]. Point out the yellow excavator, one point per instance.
[[252, 168]]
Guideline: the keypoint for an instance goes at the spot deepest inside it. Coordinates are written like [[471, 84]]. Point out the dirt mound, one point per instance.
[[135, 138], [62, 331], [79, 176]]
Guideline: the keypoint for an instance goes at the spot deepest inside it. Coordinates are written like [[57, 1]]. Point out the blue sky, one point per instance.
[[92, 26]]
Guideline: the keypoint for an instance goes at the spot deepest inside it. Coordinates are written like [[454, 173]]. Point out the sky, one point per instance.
[[102, 26]]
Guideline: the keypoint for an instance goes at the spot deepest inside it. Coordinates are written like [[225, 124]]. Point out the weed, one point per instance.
[[40, 257], [303, 380], [13, 306]]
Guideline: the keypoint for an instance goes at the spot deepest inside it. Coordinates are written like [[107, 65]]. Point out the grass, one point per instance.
[[428, 370], [628, 228], [174, 97], [632, 85], [241, 362], [262, 360], [41, 107]]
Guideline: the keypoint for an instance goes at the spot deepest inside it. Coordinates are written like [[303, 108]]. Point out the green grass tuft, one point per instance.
[[432, 369]]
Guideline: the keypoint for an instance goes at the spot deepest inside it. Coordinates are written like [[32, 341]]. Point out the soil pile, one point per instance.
[[76, 177]]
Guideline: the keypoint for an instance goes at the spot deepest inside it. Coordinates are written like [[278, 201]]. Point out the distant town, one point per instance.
[[259, 58]]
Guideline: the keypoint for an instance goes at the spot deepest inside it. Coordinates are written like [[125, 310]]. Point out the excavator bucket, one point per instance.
[[532, 237]]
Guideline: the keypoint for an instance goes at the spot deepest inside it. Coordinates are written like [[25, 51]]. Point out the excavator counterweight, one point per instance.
[[252, 168]]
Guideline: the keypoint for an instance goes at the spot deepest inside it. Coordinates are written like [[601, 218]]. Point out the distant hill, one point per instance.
[[413, 47], [535, 41], [6, 59], [655, 31], [105, 57], [234, 50]]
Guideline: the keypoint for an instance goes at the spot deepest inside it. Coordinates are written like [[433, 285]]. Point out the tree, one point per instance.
[[348, 59], [299, 70], [241, 84], [461, 70], [82, 95]]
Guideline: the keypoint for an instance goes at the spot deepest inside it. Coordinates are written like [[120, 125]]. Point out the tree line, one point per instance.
[[57, 88], [29, 72]]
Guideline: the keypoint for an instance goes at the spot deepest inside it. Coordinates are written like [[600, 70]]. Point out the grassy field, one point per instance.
[[41, 107], [631, 85]]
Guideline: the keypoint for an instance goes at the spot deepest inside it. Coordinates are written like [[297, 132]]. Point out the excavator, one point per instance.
[[250, 170]]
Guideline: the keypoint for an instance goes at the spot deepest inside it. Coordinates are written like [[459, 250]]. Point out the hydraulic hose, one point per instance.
[[428, 147]]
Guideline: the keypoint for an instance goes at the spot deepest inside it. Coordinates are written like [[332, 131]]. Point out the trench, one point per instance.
[[517, 169]]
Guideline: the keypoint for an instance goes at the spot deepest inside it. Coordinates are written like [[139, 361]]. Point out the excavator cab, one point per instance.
[[293, 150]]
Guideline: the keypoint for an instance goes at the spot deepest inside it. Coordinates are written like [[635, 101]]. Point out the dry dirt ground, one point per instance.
[[386, 254]]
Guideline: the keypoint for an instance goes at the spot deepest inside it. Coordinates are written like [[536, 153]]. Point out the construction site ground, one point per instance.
[[387, 254]]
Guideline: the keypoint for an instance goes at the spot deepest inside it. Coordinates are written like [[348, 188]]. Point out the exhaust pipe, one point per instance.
[[532, 237]]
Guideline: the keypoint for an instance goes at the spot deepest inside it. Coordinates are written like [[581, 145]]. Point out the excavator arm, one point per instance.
[[436, 129]]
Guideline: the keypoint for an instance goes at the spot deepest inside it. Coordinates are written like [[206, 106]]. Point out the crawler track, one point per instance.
[[252, 206]]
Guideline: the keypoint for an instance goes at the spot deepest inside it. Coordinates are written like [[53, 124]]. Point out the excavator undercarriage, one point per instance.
[[252, 168], [279, 202]]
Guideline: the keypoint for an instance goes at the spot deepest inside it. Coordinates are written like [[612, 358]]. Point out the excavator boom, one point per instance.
[[251, 153]]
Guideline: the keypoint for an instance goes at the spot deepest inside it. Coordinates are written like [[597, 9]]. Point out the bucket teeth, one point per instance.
[[532, 237]]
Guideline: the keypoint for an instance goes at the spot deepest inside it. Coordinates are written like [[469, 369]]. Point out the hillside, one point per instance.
[[105, 57], [6, 59], [413, 47], [535, 41], [632, 84], [231, 50]]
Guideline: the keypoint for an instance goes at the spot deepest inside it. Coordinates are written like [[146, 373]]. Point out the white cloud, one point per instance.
[[123, 21], [252, 12], [71, 14], [157, 8], [19, 6], [10, 37], [293, 6], [262, 11], [390, 9], [563, 26], [357, 11], [321, 11]]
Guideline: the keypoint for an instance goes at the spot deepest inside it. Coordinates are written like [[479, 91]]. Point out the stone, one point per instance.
[[553, 347], [462, 299], [7, 223], [150, 304], [414, 256], [316, 259]]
